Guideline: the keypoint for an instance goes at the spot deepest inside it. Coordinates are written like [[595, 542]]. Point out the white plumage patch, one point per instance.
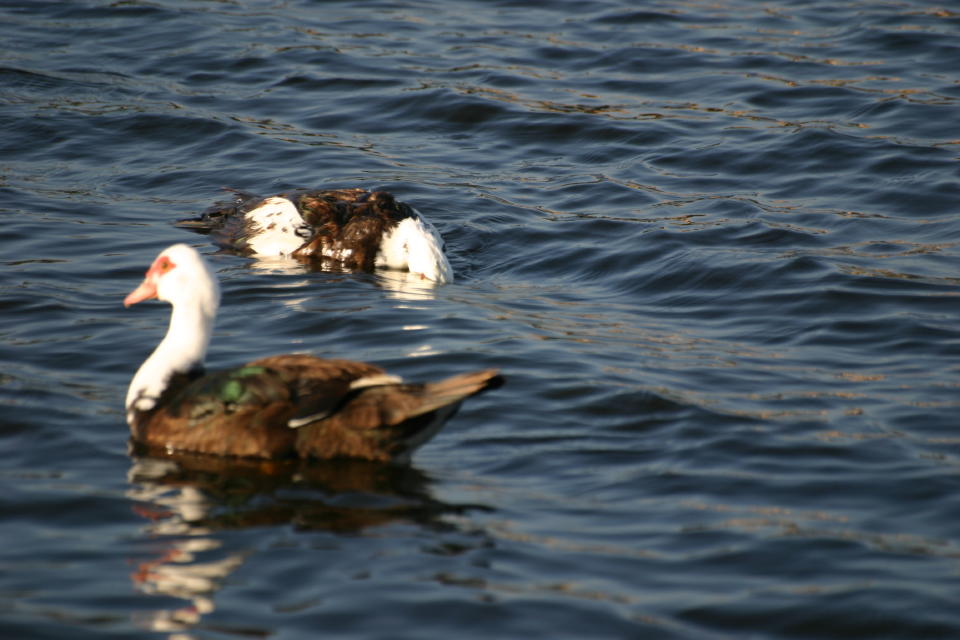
[[143, 403], [415, 245], [277, 228], [375, 381]]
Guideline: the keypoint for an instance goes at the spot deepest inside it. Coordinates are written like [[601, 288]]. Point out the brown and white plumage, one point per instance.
[[281, 406], [338, 228]]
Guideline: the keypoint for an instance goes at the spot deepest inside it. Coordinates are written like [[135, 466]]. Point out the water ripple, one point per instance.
[[713, 246]]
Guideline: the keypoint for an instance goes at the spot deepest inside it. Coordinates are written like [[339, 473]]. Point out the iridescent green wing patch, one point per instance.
[[225, 392], [236, 390]]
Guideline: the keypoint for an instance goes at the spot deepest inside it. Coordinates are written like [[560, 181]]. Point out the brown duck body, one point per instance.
[[340, 228], [341, 409]]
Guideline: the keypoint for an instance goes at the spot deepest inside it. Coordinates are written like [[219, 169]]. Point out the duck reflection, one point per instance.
[[403, 285], [187, 499], [280, 265], [397, 284]]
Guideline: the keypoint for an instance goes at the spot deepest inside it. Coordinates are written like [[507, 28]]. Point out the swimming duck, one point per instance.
[[337, 228], [276, 407]]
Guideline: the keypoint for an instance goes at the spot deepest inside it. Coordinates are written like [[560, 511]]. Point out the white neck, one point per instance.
[[182, 349]]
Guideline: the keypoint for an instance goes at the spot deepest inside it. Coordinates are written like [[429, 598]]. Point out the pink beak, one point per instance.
[[146, 291]]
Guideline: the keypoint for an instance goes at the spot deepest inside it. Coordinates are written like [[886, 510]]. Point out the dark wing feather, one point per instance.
[[348, 224], [388, 421], [319, 386]]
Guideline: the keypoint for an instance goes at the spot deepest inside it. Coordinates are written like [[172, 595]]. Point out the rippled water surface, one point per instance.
[[713, 246]]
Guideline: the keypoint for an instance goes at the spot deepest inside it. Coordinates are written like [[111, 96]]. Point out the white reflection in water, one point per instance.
[[423, 350], [175, 511], [279, 265], [403, 285], [398, 285], [188, 502]]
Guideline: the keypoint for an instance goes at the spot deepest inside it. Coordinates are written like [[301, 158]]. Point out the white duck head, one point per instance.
[[180, 276]]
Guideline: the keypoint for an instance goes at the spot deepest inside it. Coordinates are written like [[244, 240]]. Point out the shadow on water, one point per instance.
[[191, 503]]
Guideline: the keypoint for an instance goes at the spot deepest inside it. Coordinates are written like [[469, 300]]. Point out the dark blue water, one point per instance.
[[713, 245]]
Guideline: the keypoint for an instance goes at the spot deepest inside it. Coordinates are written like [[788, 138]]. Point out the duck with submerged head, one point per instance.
[[352, 229], [281, 406]]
